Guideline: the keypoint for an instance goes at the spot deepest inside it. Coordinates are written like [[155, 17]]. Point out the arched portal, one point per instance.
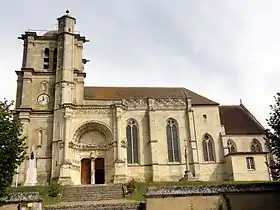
[[86, 171], [99, 171], [93, 141], [92, 133]]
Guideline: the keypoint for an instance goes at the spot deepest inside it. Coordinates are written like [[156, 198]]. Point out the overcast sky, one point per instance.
[[226, 50]]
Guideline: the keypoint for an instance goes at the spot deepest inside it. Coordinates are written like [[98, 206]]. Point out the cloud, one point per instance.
[[224, 49]]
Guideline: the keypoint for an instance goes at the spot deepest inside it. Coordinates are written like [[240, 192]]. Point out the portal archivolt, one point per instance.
[[92, 134]]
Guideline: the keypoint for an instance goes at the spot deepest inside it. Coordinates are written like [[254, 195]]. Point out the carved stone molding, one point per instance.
[[169, 102], [75, 167], [68, 113], [83, 112], [189, 104], [136, 103], [89, 147], [124, 143], [61, 144]]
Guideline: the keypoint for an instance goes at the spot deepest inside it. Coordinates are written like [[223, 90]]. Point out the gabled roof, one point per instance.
[[145, 92], [237, 120]]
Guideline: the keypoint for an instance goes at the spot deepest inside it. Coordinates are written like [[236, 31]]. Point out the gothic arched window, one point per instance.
[[46, 59], [256, 146], [54, 59], [208, 148], [231, 146], [172, 136], [132, 141]]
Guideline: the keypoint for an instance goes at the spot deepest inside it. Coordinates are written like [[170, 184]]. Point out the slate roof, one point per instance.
[[145, 92], [237, 120]]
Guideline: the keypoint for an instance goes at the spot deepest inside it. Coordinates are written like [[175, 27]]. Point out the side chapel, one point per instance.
[[96, 135]]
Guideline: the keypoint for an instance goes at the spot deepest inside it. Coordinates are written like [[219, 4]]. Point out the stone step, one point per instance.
[[106, 205], [92, 192]]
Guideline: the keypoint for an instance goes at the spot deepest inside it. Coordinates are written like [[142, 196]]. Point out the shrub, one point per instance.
[[131, 186], [54, 189], [224, 203]]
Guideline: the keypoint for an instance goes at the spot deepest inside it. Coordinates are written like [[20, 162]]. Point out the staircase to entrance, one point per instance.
[[99, 197], [92, 192]]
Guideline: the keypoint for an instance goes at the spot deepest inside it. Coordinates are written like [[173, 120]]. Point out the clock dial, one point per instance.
[[43, 99]]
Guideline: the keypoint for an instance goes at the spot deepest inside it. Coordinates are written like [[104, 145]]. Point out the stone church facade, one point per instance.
[[96, 135]]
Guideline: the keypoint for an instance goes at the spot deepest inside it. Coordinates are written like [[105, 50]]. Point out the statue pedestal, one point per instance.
[[120, 175], [31, 174], [187, 177]]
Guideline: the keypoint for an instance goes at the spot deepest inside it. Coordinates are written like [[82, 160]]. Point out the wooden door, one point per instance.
[[99, 171], [86, 171]]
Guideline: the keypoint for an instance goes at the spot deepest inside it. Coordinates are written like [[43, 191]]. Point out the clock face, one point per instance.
[[43, 99]]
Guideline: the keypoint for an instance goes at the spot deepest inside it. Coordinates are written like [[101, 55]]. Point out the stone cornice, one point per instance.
[[33, 72], [246, 153], [75, 107], [27, 34], [64, 81], [30, 110]]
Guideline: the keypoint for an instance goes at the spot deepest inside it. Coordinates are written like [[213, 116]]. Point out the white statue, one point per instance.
[[31, 173]]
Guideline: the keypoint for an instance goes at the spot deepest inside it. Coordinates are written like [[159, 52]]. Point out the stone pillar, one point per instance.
[[120, 175], [25, 120], [92, 170], [118, 132], [67, 135], [153, 141], [26, 88], [65, 168], [192, 151]]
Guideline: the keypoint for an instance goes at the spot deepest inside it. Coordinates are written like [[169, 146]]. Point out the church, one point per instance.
[[79, 134]]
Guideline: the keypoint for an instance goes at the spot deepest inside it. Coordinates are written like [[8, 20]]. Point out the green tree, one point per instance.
[[12, 145], [273, 137]]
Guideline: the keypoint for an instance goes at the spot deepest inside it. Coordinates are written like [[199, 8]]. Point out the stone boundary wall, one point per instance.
[[22, 199], [175, 191], [255, 196]]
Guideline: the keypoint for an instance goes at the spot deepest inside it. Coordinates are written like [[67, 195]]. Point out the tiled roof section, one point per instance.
[[145, 92], [238, 120]]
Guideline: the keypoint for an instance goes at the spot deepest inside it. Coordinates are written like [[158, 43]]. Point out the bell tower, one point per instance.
[[50, 83], [66, 59], [68, 93]]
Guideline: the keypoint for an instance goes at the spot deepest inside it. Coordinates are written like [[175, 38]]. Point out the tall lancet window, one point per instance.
[[172, 135], [46, 59], [231, 146], [132, 141], [55, 59], [208, 148], [256, 146]]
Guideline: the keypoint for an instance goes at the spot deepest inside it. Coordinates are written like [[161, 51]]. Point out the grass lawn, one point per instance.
[[43, 191], [138, 194]]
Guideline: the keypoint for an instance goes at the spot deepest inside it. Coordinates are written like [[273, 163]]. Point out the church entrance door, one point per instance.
[[86, 171], [99, 174]]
